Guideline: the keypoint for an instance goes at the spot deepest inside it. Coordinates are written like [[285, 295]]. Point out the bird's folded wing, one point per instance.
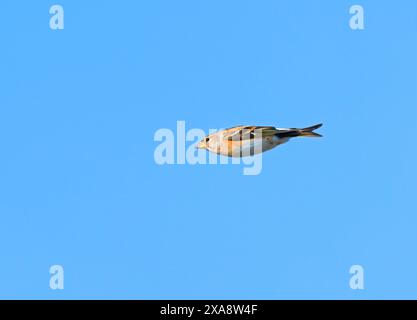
[[246, 133]]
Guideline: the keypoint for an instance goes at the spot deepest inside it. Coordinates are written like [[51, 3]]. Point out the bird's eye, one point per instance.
[[207, 139]]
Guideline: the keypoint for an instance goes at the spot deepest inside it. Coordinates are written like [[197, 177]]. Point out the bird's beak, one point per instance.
[[201, 145]]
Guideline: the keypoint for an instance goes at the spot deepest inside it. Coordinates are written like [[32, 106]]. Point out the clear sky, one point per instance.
[[79, 186]]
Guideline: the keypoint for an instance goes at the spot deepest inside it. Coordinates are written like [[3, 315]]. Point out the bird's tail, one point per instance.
[[309, 131], [296, 132]]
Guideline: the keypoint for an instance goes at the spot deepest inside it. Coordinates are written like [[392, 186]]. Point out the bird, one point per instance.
[[242, 141]]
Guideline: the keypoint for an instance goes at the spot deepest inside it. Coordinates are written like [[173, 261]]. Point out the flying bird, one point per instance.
[[244, 141]]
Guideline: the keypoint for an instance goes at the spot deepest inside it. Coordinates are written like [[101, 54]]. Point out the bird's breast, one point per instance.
[[248, 147]]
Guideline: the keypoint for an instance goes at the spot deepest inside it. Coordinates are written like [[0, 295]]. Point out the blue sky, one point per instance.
[[79, 186]]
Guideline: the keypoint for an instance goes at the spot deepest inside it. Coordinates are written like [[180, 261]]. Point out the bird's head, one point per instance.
[[203, 144], [210, 142]]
